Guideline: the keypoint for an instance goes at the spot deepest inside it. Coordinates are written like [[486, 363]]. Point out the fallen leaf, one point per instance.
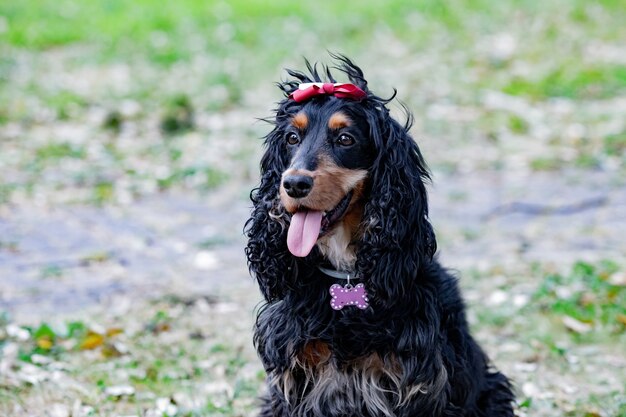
[[618, 279], [576, 325], [92, 341], [119, 390], [165, 407], [206, 260], [529, 389], [113, 350], [40, 359], [17, 332], [114, 331], [58, 410], [588, 298], [45, 343]]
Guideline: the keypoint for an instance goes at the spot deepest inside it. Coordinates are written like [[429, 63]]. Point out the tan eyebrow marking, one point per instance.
[[338, 120], [300, 121]]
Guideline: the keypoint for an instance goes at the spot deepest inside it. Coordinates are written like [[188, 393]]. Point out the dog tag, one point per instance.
[[348, 296]]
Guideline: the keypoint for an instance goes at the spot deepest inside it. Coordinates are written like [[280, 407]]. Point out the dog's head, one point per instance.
[[330, 151], [336, 160]]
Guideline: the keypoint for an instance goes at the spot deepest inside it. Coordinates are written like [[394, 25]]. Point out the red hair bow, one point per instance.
[[307, 90]]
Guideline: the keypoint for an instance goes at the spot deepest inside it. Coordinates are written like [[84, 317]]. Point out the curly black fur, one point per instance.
[[415, 332]]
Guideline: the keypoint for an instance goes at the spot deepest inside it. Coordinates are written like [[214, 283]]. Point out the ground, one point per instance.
[[130, 140]]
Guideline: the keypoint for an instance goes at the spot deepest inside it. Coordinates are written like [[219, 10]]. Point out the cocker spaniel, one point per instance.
[[359, 318]]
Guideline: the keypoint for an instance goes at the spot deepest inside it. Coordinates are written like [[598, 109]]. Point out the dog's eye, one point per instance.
[[345, 140], [292, 138]]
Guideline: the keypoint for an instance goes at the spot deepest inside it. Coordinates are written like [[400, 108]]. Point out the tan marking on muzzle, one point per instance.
[[330, 184]]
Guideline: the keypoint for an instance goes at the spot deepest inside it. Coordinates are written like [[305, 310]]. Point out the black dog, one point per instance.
[[360, 320]]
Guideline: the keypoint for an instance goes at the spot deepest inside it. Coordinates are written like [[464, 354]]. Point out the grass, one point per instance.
[[587, 304], [58, 151], [567, 323], [97, 73], [158, 361], [615, 144], [588, 295], [194, 355], [573, 82], [45, 24]]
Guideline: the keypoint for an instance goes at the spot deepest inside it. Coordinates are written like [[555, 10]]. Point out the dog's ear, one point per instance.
[[398, 239], [268, 257]]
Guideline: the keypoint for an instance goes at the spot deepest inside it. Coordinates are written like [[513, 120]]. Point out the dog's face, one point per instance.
[[330, 152], [340, 173]]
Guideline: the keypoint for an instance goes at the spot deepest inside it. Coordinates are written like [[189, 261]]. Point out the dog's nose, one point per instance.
[[297, 186]]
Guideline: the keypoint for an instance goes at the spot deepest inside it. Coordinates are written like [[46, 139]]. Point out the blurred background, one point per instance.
[[130, 139]]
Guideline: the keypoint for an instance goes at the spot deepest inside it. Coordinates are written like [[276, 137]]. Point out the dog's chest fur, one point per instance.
[[317, 385], [338, 245]]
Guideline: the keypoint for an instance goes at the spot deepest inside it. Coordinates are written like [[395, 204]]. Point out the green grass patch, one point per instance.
[[211, 242], [41, 24], [573, 81], [582, 161], [103, 192], [206, 177], [64, 103], [53, 342], [547, 164], [157, 28], [518, 125], [51, 271], [600, 405], [5, 192], [59, 151], [123, 368], [587, 294], [178, 115], [587, 161], [615, 144]]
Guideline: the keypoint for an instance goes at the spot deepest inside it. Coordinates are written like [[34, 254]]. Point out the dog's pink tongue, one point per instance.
[[303, 232]]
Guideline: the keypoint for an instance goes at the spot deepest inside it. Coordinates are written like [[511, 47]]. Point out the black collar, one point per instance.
[[347, 275]]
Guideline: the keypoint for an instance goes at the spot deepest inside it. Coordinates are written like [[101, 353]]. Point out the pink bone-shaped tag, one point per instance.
[[348, 295]]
